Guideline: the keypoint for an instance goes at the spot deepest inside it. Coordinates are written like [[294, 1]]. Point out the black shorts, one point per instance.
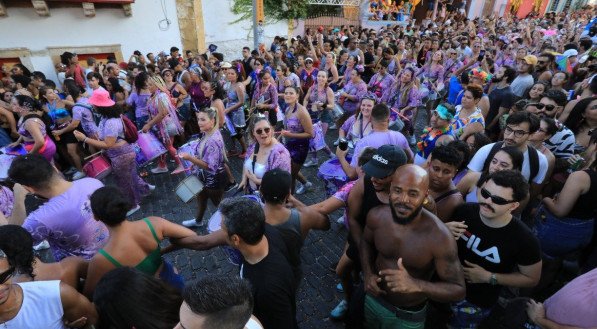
[[66, 138]]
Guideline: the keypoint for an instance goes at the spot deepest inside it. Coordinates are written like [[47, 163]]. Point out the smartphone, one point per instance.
[[481, 55]]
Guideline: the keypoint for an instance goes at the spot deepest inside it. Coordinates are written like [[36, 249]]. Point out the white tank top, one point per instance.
[[41, 308], [259, 170]]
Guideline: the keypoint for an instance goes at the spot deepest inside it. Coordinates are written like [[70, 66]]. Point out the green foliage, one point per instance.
[[273, 9]]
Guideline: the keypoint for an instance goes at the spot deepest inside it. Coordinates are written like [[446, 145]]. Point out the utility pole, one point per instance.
[[258, 22]]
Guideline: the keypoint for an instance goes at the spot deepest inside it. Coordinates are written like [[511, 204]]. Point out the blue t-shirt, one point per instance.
[[454, 90]]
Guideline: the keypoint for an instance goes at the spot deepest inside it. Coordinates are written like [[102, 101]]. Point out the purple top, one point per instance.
[[344, 191], [377, 139], [359, 90], [67, 222], [268, 96], [212, 151], [111, 127], [432, 73], [354, 130], [384, 83], [6, 201], [394, 98], [139, 101], [25, 133], [85, 116], [279, 157], [575, 304], [451, 66]]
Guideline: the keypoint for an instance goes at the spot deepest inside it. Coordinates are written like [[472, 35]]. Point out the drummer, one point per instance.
[[359, 124], [210, 158], [264, 155], [31, 128], [121, 153]]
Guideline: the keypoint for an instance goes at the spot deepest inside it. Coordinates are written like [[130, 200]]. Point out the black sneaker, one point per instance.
[[231, 186]]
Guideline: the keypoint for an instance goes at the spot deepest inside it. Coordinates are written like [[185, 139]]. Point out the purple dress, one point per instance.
[[49, 148], [359, 90], [298, 147], [211, 150], [123, 161]]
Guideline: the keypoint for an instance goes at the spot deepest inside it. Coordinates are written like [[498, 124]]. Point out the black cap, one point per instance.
[[385, 161], [275, 185]]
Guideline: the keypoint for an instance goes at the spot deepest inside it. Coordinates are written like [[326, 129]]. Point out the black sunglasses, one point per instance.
[[540, 106], [6, 275], [494, 198]]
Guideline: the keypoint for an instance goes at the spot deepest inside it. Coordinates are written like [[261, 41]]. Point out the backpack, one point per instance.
[[130, 130], [533, 159]]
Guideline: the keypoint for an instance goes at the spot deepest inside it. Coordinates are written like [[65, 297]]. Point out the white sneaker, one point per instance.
[[310, 163], [304, 188], [132, 211], [190, 223], [158, 170], [79, 175], [151, 187], [42, 246]]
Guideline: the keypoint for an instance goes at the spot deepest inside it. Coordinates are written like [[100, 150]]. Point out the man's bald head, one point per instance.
[[412, 175]]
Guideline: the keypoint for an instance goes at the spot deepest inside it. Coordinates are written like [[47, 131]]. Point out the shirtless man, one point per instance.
[[411, 245]]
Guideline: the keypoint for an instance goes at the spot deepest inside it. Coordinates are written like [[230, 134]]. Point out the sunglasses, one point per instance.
[[540, 106], [498, 200], [6, 275], [264, 130]]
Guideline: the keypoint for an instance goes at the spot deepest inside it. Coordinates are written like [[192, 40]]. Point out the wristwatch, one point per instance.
[[493, 280]]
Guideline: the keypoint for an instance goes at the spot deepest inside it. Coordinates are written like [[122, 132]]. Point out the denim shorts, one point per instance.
[[184, 112], [561, 236]]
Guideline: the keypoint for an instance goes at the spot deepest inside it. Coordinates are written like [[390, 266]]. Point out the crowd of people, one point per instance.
[[484, 218]]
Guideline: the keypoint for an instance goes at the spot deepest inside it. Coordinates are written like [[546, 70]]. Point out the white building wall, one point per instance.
[[69, 27], [231, 38]]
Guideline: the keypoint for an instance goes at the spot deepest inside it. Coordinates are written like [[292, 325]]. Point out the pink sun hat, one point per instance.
[[101, 98]]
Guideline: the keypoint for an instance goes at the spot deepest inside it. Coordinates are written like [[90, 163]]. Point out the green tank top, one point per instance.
[[151, 263]]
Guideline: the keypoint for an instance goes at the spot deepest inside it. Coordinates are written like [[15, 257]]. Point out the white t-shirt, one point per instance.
[[521, 84], [478, 161]]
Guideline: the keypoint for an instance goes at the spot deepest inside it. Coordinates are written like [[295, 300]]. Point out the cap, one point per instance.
[[165, 70], [385, 161], [225, 65], [570, 53], [320, 29], [275, 185], [309, 59], [530, 59]]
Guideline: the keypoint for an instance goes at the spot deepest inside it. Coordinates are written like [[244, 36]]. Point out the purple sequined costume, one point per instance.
[[298, 147]]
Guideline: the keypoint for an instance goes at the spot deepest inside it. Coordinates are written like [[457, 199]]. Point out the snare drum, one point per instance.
[[99, 167], [5, 162], [15, 151], [318, 141], [188, 188], [150, 146], [215, 224], [190, 148], [333, 176]]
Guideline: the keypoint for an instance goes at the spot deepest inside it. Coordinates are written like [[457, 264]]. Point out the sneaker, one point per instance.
[[151, 187], [78, 175], [310, 163], [132, 211], [158, 170], [304, 188], [340, 288], [190, 223], [42, 246], [231, 186], [332, 127], [339, 311]]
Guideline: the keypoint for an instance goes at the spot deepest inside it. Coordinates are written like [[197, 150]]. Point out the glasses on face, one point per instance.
[[257, 64], [6, 275], [517, 133], [264, 130], [498, 200], [308, 62], [548, 107]]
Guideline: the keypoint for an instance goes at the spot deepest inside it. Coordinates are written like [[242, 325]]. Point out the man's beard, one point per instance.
[[405, 220]]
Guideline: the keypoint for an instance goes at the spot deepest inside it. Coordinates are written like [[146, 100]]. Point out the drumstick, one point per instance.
[[91, 156], [400, 115]]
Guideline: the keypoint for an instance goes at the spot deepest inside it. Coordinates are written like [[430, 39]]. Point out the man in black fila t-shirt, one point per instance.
[[494, 248]]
